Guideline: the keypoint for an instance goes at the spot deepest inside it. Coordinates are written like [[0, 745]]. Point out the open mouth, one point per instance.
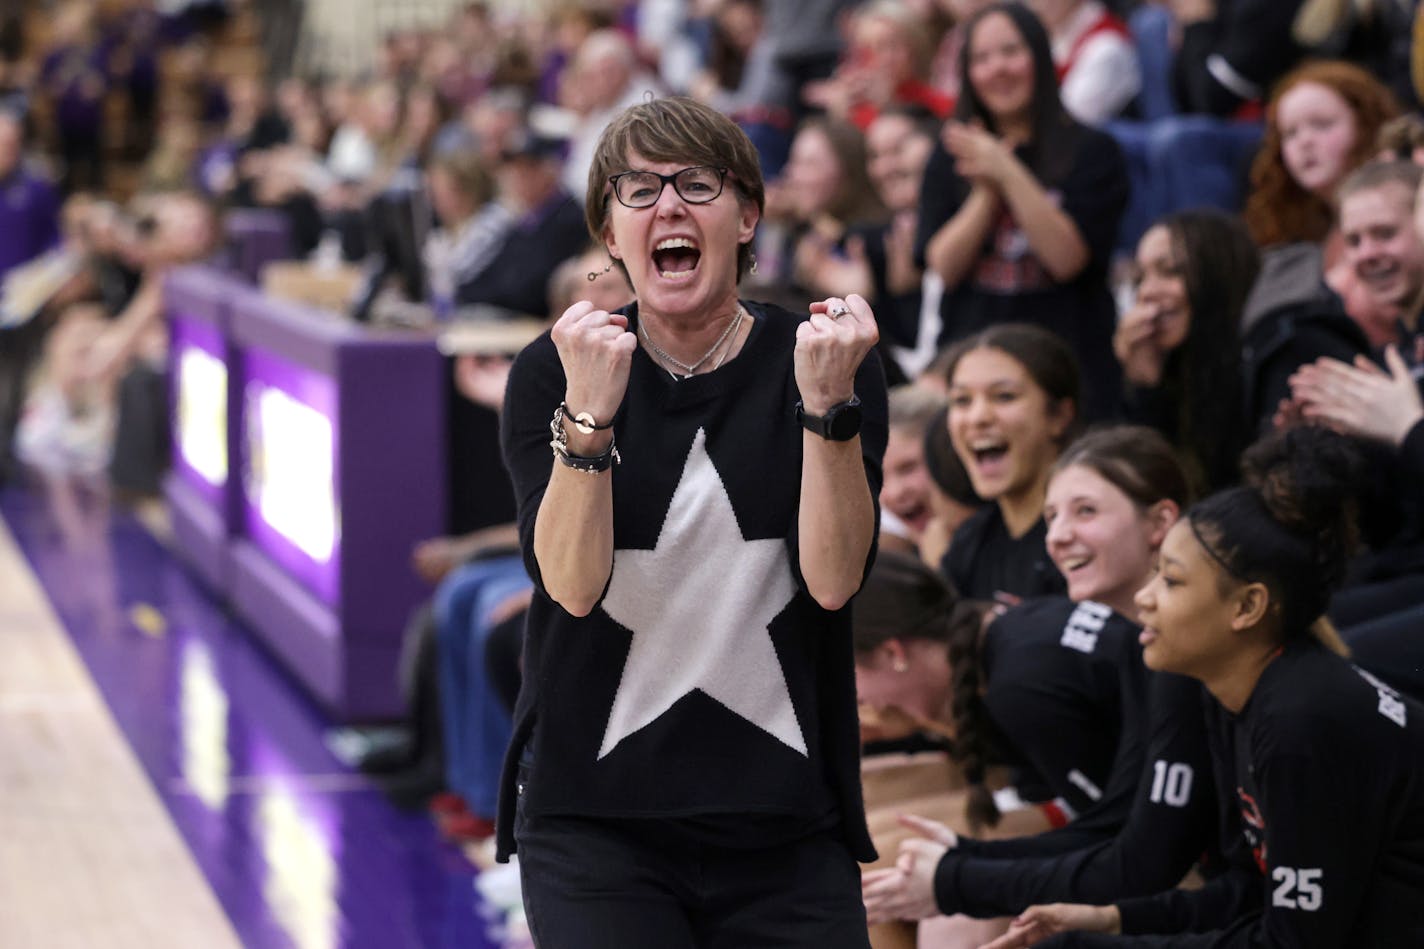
[[989, 454], [676, 258], [1380, 278], [916, 515], [1073, 564]]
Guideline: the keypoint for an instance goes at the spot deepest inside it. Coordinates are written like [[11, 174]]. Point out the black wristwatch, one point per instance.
[[840, 424]]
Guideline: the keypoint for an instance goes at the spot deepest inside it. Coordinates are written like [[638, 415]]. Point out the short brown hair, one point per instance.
[[674, 129], [1374, 175], [913, 407]]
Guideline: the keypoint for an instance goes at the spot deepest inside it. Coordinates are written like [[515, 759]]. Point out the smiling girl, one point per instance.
[[1021, 203], [1013, 396], [1179, 341]]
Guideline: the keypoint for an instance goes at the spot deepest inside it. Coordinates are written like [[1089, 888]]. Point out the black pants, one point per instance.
[[606, 884]]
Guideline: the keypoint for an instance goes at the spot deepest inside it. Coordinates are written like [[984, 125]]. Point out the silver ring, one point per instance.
[[838, 311]]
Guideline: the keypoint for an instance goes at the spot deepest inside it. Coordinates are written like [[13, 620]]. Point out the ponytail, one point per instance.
[[1324, 632], [971, 718]]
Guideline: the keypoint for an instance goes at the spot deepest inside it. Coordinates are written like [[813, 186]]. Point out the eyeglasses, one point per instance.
[[642, 189]]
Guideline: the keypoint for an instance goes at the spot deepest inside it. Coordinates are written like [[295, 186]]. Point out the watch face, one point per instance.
[[843, 423]]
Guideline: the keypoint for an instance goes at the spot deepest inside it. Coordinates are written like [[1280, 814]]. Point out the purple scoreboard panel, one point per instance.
[[202, 494], [341, 439]]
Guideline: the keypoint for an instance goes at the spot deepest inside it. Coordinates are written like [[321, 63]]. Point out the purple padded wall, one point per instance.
[[388, 435]]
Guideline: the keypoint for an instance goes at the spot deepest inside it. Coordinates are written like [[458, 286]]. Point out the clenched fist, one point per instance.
[[829, 351], [596, 349]]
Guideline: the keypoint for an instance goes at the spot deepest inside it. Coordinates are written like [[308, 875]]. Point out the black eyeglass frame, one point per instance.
[[665, 180]]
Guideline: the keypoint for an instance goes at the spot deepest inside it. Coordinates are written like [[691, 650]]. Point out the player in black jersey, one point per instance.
[[1013, 405], [1320, 764], [1113, 496]]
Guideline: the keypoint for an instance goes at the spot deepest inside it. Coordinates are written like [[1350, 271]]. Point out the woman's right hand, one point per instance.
[[1037, 923], [1138, 347], [596, 349]]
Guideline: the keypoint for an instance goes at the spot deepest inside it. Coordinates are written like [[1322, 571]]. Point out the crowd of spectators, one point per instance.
[[1205, 210]]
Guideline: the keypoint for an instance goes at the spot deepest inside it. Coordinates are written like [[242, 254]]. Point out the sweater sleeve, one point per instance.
[[1215, 906], [535, 389], [1169, 825], [1095, 191]]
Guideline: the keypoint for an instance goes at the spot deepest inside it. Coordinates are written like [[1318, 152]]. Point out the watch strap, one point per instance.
[[824, 425]]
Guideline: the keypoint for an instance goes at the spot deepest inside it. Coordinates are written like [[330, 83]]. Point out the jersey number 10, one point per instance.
[[1171, 783]]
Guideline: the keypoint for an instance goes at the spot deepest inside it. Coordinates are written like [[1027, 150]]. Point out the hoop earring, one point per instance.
[[595, 274]]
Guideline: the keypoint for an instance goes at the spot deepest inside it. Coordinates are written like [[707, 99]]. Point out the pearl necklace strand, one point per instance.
[[686, 369]]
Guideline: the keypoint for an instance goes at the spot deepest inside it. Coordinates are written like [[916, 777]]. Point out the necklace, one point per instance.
[[689, 369]]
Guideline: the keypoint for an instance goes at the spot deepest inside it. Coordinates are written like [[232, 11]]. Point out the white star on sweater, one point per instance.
[[699, 605]]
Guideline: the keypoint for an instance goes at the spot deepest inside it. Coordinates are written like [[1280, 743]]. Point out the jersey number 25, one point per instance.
[[1298, 889]]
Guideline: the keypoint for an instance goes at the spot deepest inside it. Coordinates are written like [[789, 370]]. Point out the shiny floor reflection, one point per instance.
[[300, 851]]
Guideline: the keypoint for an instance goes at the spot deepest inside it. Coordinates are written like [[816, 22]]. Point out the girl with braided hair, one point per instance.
[[1319, 765]]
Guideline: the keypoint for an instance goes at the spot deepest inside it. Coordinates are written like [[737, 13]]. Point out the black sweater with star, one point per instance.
[[1322, 772], [721, 701]]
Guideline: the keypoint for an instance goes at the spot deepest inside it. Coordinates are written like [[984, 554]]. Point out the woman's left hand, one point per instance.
[[830, 349], [978, 155], [905, 891]]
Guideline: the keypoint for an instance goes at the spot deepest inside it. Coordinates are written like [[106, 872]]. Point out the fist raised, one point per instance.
[[830, 347], [596, 349]]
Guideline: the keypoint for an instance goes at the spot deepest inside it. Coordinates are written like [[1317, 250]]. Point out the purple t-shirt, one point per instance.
[[29, 218]]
